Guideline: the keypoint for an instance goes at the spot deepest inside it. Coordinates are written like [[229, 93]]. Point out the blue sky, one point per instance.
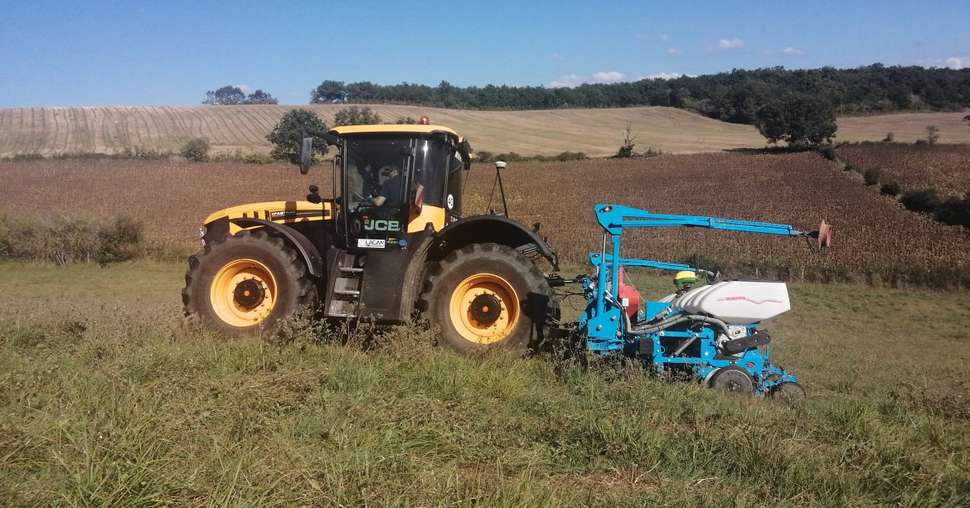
[[171, 52]]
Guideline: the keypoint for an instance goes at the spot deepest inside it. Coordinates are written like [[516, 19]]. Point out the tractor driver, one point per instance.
[[388, 196]]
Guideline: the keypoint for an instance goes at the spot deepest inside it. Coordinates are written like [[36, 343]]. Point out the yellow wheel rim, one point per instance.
[[484, 308], [243, 292]]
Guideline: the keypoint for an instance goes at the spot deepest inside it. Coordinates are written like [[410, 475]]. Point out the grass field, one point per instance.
[[597, 132], [108, 399]]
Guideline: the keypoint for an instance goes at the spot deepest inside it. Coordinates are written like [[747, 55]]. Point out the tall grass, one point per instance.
[[114, 400], [179, 417], [69, 241]]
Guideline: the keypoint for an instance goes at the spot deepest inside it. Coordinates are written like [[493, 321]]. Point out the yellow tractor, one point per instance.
[[389, 243]]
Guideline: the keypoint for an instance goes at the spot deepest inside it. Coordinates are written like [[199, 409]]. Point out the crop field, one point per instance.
[[877, 240], [945, 168], [597, 132]]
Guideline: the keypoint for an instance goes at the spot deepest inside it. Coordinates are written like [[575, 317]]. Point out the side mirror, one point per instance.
[[306, 155]]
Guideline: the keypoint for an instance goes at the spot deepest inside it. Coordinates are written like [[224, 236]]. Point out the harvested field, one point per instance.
[[945, 168], [876, 239], [906, 127], [597, 132]]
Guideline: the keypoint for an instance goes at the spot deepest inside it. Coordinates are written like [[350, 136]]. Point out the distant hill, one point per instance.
[[244, 128], [597, 132]]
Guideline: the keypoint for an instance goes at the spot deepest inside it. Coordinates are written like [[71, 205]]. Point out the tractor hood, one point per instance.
[[285, 212]]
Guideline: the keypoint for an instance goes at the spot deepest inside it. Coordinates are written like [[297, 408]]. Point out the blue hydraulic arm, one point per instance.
[[597, 259], [615, 218], [604, 326]]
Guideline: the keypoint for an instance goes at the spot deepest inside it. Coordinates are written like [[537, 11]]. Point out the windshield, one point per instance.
[[376, 170]]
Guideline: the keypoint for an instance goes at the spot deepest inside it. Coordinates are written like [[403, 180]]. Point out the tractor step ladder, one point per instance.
[[347, 285]]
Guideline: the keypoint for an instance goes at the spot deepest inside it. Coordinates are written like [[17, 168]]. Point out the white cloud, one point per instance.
[[567, 81], [665, 75], [556, 56], [673, 51], [730, 43], [792, 51], [664, 37], [608, 77], [244, 88], [571, 80], [957, 62], [953, 62]]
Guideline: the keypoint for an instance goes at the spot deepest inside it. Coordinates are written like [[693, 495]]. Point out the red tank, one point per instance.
[[630, 293]]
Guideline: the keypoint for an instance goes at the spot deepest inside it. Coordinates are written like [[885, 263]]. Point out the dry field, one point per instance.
[[876, 238], [597, 132], [906, 127], [945, 168]]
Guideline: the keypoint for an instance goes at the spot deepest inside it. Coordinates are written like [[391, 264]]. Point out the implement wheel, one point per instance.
[[733, 380], [487, 296], [789, 393], [246, 283]]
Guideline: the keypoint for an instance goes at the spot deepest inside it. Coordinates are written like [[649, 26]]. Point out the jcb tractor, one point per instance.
[[389, 242]]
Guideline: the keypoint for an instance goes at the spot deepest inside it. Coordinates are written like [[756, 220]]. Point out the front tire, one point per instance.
[[245, 284], [487, 296]]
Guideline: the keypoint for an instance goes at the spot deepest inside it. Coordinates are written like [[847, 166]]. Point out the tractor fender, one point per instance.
[[309, 252], [490, 228]]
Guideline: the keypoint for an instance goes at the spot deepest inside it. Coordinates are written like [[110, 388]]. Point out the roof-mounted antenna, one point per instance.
[[499, 166]]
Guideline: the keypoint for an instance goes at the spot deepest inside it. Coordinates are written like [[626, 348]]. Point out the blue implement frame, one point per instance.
[[604, 324]]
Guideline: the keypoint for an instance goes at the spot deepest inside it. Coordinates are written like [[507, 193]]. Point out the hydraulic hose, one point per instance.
[[667, 323]]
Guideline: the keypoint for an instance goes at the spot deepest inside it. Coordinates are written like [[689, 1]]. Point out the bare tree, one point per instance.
[[629, 143], [932, 134]]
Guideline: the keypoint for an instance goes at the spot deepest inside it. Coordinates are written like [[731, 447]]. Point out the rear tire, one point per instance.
[[488, 296], [245, 284]]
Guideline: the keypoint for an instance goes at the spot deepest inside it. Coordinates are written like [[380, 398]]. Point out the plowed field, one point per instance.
[[875, 237]]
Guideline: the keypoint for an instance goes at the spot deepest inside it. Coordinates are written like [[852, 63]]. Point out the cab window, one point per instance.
[[376, 171], [431, 168], [456, 183]]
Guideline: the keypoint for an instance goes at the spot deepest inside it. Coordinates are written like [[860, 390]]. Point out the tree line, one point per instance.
[[231, 95], [734, 96]]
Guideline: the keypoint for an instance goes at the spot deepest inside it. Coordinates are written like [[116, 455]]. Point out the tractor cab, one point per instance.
[[396, 180]]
